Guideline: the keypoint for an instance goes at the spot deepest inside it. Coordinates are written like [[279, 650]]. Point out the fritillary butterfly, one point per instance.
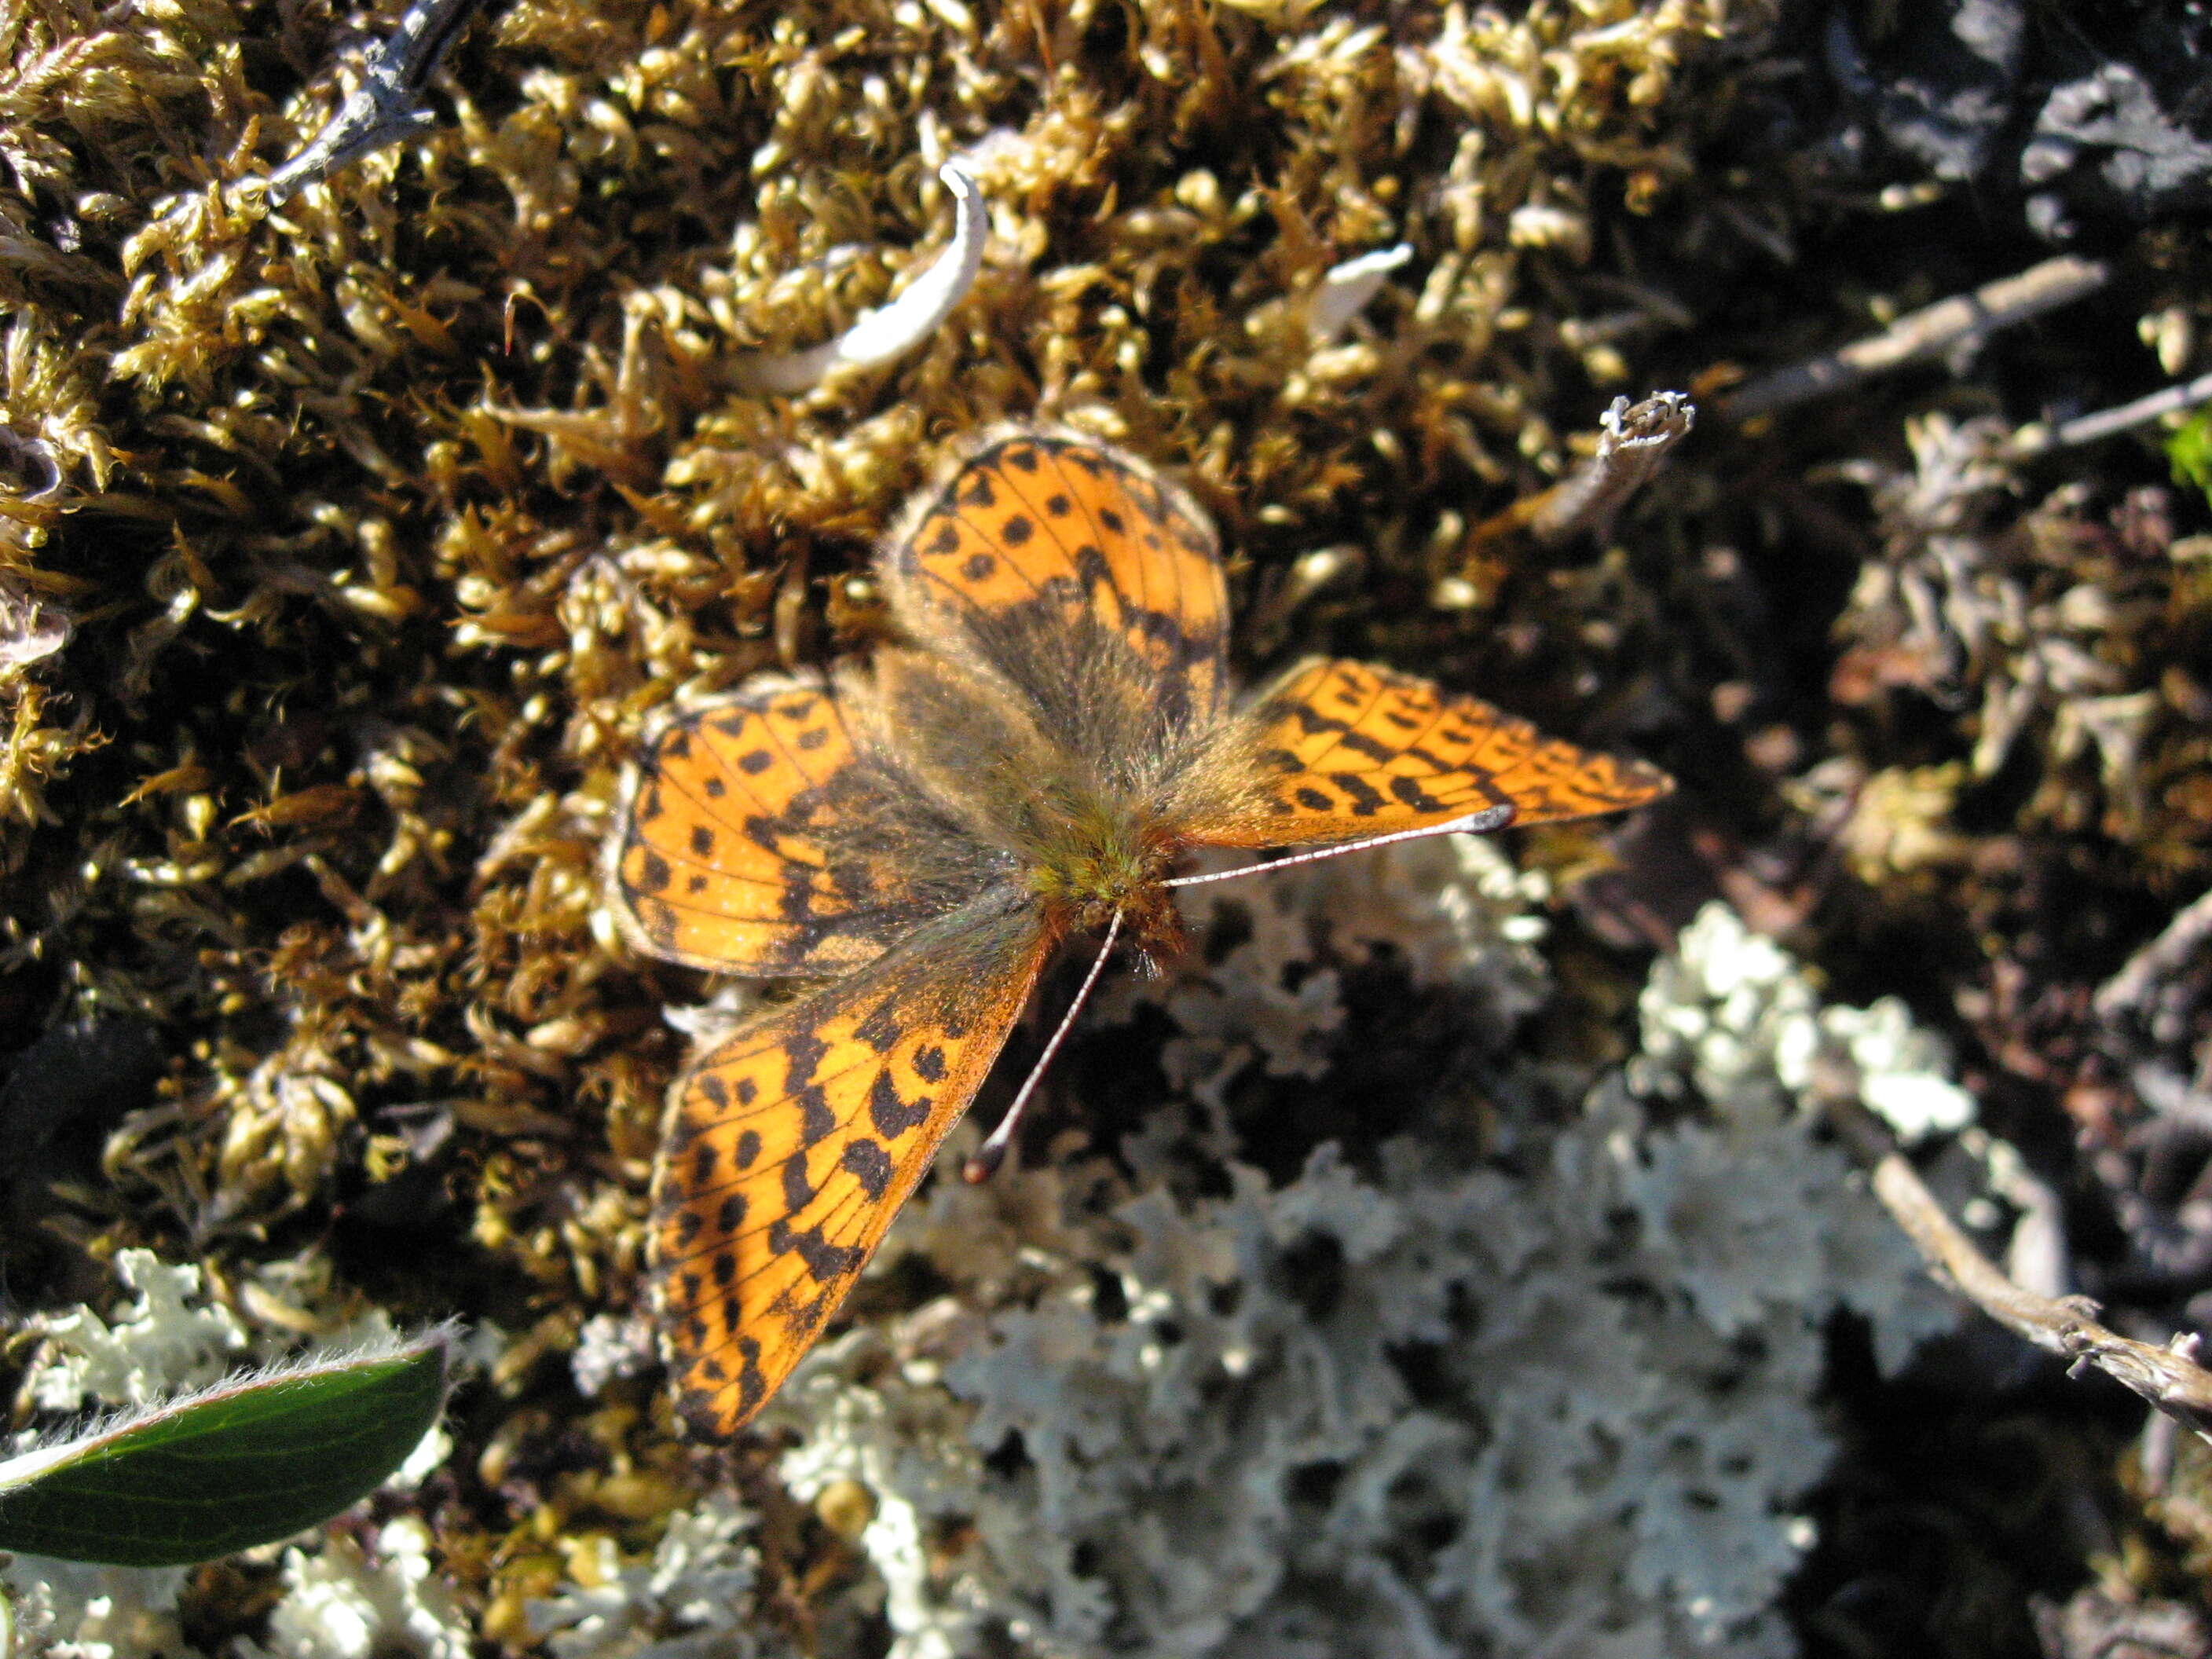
[[923, 833]]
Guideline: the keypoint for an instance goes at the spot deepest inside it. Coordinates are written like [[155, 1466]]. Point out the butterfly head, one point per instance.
[[1100, 859]]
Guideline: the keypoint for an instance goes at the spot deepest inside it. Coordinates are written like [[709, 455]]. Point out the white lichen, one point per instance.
[[170, 1338], [1408, 1400], [1729, 1012], [691, 1600], [1398, 1404], [67, 1610], [610, 1346], [348, 1601], [1451, 909]]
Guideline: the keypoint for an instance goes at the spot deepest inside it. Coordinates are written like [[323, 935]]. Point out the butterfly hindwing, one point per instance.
[[1347, 750], [722, 857], [1041, 540], [792, 1143]]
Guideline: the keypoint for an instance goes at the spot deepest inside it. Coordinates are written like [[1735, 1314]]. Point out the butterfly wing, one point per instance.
[[1348, 751], [1062, 562], [733, 849], [791, 1145]]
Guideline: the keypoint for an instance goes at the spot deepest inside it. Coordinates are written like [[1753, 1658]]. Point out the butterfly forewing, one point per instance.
[[722, 860], [791, 1145], [1039, 539], [1346, 750]]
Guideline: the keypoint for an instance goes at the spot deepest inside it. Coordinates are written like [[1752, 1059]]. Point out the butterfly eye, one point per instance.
[[857, 607]]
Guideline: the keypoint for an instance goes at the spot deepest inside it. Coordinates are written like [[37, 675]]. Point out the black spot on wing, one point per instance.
[[823, 1260], [891, 1115], [880, 1029], [1410, 793], [1366, 801], [797, 1190], [867, 1162]]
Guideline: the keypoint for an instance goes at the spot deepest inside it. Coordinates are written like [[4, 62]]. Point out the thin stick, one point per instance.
[[993, 1152], [2169, 1378], [2174, 949], [385, 107], [1475, 823], [1631, 440], [2108, 422], [1925, 333]]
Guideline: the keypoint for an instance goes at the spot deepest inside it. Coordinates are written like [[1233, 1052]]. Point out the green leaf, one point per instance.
[[248, 1462], [2189, 451]]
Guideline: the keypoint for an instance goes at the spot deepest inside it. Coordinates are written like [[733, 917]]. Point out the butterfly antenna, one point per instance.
[[993, 1152], [1475, 823]]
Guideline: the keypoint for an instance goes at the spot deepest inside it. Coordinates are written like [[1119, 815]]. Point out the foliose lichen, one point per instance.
[[1394, 1403]]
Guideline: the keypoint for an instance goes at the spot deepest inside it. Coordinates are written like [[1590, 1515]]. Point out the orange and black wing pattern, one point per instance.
[[722, 857], [791, 1145], [1041, 541], [1345, 750]]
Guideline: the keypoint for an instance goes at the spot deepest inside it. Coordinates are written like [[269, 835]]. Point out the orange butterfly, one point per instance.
[[1036, 763]]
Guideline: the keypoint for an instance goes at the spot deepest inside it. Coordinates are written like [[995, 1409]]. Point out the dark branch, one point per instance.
[[2169, 1378], [386, 105]]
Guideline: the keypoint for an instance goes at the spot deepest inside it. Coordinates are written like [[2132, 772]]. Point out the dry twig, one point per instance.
[[1962, 320], [2183, 942], [2110, 422], [2169, 1378], [1631, 441], [385, 107]]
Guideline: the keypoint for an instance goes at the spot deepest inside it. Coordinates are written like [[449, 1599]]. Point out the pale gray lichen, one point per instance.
[[67, 1610], [343, 1600], [1400, 1401], [347, 1601], [608, 1345], [1731, 1014], [1396, 1404], [691, 1600], [171, 1337], [1452, 909]]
